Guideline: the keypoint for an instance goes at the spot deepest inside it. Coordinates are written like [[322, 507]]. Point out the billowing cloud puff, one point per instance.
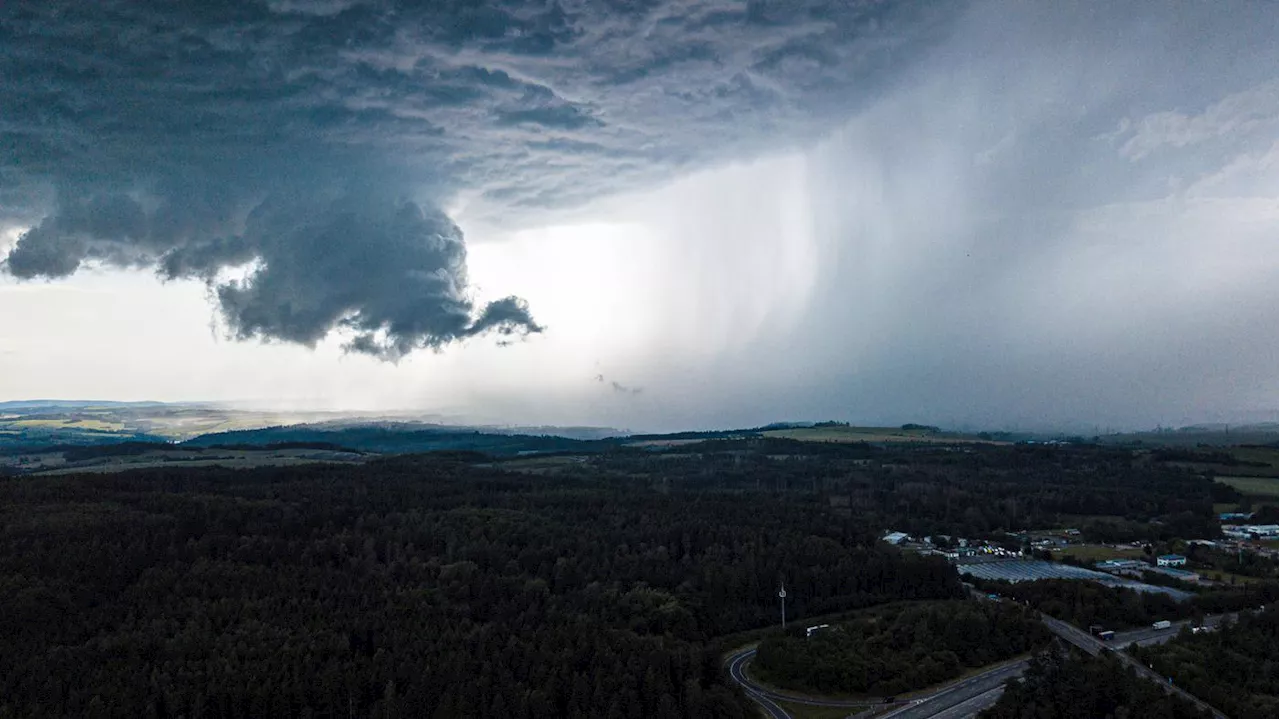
[[315, 142]]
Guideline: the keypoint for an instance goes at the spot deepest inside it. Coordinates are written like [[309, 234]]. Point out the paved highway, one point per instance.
[[965, 698], [1091, 644], [970, 707], [1147, 637]]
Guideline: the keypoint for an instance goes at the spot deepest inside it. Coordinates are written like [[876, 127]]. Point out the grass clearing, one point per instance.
[[1099, 552], [1215, 575], [541, 465], [1078, 520], [808, 711], [1262, 487]]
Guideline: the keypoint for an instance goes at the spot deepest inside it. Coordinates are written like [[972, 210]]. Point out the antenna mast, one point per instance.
[[782, 598]]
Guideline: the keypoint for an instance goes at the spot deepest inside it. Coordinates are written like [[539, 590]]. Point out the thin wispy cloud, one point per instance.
[[1240, 113]]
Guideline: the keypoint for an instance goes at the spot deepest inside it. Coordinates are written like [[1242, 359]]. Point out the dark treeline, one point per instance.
[[407, 587], [1233, 668], [973, 490], [1088, 603], [1247, 564], [393, 439], [1057, 685], [899, 648]]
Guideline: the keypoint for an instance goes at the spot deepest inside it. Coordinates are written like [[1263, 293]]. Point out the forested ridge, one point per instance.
[[1116, 495], [467, 585], [409, 586], [899, 648], [1089, 603]]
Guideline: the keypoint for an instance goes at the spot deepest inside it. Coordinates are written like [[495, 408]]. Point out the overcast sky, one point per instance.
[[646, 214]]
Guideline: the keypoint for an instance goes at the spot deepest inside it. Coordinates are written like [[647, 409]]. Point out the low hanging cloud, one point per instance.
[[391, 273], [316, 142]]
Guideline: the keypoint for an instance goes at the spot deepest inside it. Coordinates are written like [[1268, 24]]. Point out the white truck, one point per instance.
[[1162, 624], [811, 630]]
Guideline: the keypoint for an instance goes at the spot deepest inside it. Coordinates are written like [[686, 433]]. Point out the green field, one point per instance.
[[1261, 487], [1099, 553], [541, 465], [95, 425], [1248, 461], [1255, 454]]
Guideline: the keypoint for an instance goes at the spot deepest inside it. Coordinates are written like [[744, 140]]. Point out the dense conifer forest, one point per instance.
[[1233, 668], [404, 588], [899, 648], [460, 584], [1109, 494], [1069, 686]]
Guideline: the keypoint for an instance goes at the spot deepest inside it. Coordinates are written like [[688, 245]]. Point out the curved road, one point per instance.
[[760, 696], [767, 698], [959, 699]]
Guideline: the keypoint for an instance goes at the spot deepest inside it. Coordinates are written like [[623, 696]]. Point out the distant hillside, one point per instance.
[[41, 405], [1216, 435], [401, 438], [400, 425], [43, 425], [839, 432]]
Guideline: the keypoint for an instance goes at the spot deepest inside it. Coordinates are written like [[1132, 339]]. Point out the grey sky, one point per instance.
[[983, 213]]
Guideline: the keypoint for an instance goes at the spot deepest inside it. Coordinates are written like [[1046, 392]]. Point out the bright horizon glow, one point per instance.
[[729, 253]]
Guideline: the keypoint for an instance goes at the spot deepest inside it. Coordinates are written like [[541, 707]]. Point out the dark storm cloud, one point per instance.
[[317, 141]]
